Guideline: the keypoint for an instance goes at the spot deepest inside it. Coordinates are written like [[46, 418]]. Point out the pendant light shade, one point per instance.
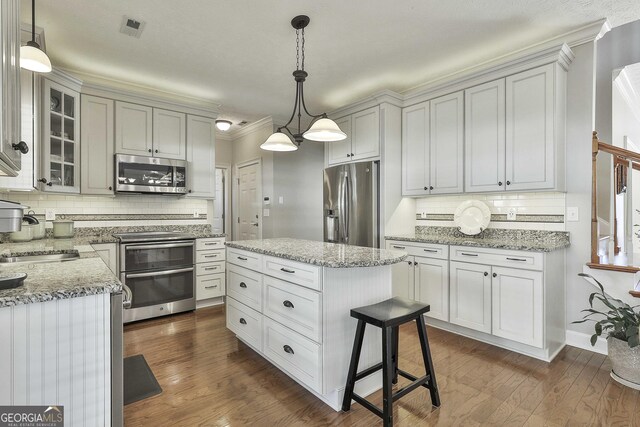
[[321, 128], [278, 141], [324, 130], [33, 58], [223, 125]]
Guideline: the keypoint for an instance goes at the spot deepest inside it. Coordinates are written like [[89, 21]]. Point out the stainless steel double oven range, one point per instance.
[[158, 269]]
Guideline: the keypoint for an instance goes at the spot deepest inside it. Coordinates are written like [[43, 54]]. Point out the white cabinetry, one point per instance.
[[134, 129], [514, 137], [210, 270], [97, 145], [363, 137], [109, 254], [423, 276], [60, 138], [169, 134], [432, 146], [201, 157], [471, 296], [10, 122]]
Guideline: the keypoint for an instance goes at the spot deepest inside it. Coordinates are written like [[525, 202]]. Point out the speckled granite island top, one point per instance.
[[520, 240], [333, 255]]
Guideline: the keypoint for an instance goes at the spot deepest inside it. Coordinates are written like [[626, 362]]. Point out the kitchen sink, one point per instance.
[[41, 258]]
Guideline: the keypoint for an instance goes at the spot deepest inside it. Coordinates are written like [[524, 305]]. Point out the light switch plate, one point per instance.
[[49, 215], [573, 213], [511, 214], [265, 212], [281, 200]]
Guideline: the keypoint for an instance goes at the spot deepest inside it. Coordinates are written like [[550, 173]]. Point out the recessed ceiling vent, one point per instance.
[[242, 123], [132, 27]]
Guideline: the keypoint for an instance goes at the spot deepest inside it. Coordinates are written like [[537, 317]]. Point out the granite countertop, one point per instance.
[[333, 255], [521, 240]]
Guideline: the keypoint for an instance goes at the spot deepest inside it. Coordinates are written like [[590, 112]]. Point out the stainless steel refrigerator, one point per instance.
[[352, 204]]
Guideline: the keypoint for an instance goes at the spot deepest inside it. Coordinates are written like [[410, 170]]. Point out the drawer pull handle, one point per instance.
[[430, 250], [210, 268], [244, 322], [466, 254], [287, 303], [288, 349], [211, 256], [242, 258], [516, 259], [399, 247], [243, 285], [286, 270], [211, 287], [211, 244]]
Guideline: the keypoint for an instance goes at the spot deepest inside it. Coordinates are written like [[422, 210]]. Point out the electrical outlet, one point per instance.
[[511, 214], [423, 215], [572, 213], [49, 215], [196, 214], [281, 200], [265, 212]]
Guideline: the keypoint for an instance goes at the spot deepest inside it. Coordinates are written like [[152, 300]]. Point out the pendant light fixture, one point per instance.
[[321, 128], [223, 125], [33, 58]]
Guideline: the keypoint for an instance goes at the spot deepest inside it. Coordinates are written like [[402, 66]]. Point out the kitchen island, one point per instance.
[[290, 301]]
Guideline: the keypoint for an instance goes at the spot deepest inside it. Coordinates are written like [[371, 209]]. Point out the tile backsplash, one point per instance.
[[534, 211], [101, 211]]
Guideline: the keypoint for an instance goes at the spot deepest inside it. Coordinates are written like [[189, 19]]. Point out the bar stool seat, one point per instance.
[[389, 315]]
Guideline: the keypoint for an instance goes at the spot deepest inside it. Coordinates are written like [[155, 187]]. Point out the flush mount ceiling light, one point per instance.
[[32, 58], [223, 125], [321, 128]]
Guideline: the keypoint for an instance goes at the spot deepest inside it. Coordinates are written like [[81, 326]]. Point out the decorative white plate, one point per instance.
[[472, 217]]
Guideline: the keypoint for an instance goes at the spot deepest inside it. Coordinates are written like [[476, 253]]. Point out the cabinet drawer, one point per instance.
[[210, 255], [303, 274], [209, 268], [293, 353], [210, 243], [209, 286], [246, 259], [292, 305], [245, 323], [245, 286], [429, 250], [499, 257]]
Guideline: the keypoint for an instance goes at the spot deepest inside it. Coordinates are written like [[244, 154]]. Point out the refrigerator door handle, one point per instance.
[[347, 202]]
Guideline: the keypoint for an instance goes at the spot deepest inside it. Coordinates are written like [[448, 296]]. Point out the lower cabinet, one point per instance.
[[210, 268], [109, 254], [471, 296]]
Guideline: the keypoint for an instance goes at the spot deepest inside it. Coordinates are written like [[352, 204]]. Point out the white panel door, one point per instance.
[[169, 134], [249, 203], [96, 145], [219, 203], [340, 151], [201, 151], [415, 150], [470, 304], [365, 134], [517, 305], [446, 144], [432, 286], [484, 137], [134, 129], [530, 155]]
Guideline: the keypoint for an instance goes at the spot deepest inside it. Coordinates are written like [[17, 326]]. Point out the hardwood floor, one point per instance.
[[209, 378]]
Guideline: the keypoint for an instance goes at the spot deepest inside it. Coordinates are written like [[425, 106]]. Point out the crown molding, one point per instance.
[[223, 136], [251, 127], [384, 96]]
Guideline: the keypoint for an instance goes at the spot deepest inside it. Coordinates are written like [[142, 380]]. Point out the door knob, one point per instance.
[[495, 275], [486, 274], [508, 182], [499, 183], [21, 147]]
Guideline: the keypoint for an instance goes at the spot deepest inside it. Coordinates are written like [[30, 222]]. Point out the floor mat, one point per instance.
[[139, 382]]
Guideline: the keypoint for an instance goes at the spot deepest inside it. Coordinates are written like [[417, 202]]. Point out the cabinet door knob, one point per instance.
[[508, 182], [499, 183], [156, 151], [348, 155], [431, 187], [288, 349], [352, 154], [243, 285], [43, 180], [486, 274], [189, 191], [244, 322], [21, 147], [287, 304], [495, 275], [110, 188], [50, 184], [149, 149], [425, 188]]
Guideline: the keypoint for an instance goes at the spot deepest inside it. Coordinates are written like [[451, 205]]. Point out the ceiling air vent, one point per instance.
[[132, 27], [242, 123]]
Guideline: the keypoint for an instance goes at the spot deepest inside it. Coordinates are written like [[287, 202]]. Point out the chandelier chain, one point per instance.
[[303, 49], [297, 49]]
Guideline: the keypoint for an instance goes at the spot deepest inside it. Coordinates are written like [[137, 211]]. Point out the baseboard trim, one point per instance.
[[582, 340]]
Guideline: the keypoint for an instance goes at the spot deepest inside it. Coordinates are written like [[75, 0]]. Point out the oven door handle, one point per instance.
[[128, 297], [160, 246], [158, 273]]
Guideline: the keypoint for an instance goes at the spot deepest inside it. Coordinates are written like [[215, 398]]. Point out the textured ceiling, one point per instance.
[[240, 53]]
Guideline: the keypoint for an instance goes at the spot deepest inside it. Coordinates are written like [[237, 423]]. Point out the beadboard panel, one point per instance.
[[58, 353]]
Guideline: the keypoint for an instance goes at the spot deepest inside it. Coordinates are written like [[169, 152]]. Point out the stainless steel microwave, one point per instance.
[[141, 174]]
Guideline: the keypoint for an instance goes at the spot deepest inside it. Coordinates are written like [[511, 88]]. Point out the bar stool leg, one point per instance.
[[428, 364], [353, 365], [395, 354], [387, 376]]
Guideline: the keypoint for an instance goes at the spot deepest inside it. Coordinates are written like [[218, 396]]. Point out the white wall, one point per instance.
[[224, 150]]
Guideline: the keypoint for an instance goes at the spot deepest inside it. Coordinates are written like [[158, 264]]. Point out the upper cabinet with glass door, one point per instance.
[[60, 138]]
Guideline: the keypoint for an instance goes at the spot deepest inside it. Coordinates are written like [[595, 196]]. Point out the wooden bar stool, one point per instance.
[[388, 315]]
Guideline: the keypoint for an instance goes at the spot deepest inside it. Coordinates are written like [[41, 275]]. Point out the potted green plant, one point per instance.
[[620, 324]]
